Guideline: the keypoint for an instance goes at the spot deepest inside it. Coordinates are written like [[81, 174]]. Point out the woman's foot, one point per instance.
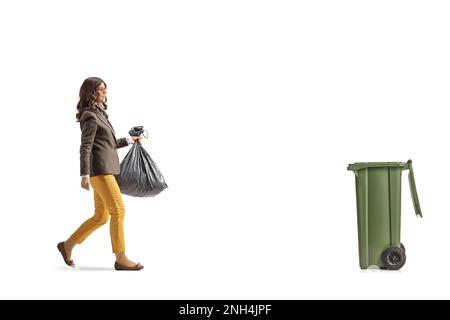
[[68, 246], [136, 267], [66, 254], [123, 263]]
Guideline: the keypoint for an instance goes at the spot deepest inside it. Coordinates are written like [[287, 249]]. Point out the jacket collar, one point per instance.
[[102, 110], [103, 116]]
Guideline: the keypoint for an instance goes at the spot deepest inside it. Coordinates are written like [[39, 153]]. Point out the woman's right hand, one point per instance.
[[85, 183]]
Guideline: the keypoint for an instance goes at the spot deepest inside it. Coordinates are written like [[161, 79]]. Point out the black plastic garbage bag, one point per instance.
[[139, 176]]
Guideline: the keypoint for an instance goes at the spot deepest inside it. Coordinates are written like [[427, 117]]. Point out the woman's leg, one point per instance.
[[109, 191], [99, 218], [107, 187]]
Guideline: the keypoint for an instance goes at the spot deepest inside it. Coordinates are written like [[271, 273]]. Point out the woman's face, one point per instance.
[[101, 93]]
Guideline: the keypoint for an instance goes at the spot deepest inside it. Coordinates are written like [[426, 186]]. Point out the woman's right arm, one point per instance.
[[88, 125]]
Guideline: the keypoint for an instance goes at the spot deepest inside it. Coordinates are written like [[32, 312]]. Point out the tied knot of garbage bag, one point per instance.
[[138, 131], [139, 176]]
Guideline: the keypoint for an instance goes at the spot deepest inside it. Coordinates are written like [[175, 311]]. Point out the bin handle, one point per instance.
[[412, 188]]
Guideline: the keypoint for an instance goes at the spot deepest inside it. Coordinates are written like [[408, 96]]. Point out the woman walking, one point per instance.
[[99, 162]]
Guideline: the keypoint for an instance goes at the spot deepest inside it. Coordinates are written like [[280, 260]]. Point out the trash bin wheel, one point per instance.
[[403, 247], [393, 258]]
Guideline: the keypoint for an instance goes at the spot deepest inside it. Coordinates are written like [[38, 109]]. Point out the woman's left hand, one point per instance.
[[138, 139]]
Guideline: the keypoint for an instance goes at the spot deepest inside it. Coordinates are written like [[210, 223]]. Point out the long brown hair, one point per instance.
[[88, 95]]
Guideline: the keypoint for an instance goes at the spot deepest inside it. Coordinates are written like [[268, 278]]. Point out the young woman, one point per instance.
[[99, 162]]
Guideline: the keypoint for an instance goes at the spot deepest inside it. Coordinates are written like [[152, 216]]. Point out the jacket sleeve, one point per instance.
[[122, 142], [88, 125]]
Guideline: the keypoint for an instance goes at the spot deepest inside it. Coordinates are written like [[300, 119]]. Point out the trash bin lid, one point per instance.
[[363, 165]]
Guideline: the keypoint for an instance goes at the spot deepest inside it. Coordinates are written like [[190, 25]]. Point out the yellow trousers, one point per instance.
[[108, 202]]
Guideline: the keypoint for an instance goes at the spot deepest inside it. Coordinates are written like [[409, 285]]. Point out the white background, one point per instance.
[[254, 110]]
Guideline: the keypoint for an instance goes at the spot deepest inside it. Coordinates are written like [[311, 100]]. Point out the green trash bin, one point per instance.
[[378, 201]]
